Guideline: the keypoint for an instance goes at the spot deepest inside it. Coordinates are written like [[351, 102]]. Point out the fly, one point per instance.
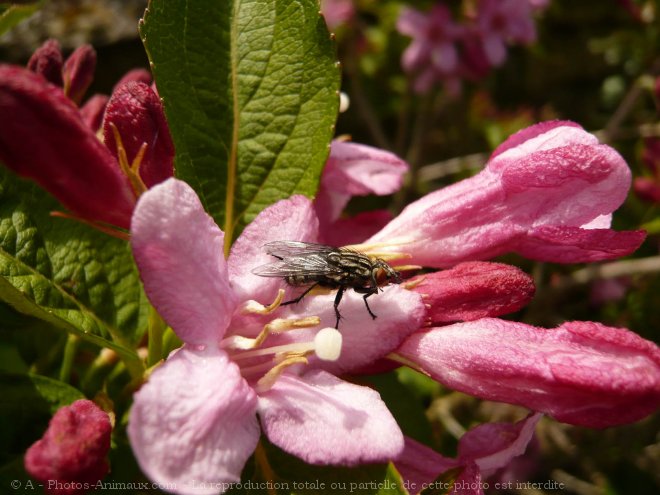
[[303, 264]]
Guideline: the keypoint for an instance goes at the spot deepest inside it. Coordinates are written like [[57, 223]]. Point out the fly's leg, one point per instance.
[[373, 316], [300, 297], [338, 297]]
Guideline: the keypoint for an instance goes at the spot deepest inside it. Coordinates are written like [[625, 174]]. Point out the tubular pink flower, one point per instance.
[[196, 418], [48, 141], [547, 193], [481, 451], [73, 450], [582, 373], [337, 12]]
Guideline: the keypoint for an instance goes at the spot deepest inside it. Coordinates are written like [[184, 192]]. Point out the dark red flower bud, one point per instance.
[[93, 110], [137, 75], [44, 138], [137, 113], [73, 451], [47, 61], [474, 290], [79, 72]]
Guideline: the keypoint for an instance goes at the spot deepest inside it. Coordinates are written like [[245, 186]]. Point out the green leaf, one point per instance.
[[27, 402], [250, 90], [10, 15], [65, 273]]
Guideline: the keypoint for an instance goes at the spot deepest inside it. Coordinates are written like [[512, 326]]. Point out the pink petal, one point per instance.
[[193, 424], [324, 420], [356, 170], [135, 75], [411, 22], [474, 290], [355, 230], [420, 465], [46, 140], [178, 249], [399, 313], [575, 245], [494, 445], [291, 219], [560, 177], [137, 113], [581, 373]]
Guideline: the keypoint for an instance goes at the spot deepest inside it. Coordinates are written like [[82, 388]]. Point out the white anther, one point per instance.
[[327, 344], [344, 102]]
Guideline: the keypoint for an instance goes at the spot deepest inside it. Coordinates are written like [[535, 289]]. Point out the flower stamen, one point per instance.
[[267, 381], [131, 171], [253, 306], [278, 325]]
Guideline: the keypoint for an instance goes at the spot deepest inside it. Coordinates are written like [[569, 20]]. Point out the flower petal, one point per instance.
[[46, 140], [291, 219], [399, 313], [324, 420], [474, 290], [560, 177], [576, 245], [581, 373], [193, 424], [493, 445], [78, 72], [355, 230], [420, 465], [178, 249]]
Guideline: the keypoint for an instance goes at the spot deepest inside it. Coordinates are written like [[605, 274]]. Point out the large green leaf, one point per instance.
[[66, 273], [251, 96], [12, 14]]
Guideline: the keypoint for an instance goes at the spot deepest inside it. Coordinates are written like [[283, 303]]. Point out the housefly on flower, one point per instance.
[[303, 264]]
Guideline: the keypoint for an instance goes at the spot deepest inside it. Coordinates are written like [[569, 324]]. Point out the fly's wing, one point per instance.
[[286, 249], [308, 265]]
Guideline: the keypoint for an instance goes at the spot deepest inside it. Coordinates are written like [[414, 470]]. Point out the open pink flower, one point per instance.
[[194, 423], [52, 141], [547, 193], [481, 451]]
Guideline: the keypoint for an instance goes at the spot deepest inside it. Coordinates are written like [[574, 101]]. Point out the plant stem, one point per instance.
[[70, 349]]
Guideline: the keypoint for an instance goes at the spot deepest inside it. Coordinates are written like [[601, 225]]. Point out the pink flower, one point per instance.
[[580, 373], [73, 451], [196, 417], [355, 170], [481, 451], [337, 12], [54, 143], [648, 187], [547, 193], [499, 22], [432, 55]]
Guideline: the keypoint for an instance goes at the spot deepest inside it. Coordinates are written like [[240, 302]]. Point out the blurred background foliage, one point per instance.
[[594, 62]]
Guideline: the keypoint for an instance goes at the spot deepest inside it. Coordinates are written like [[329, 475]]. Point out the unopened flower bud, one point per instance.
[[47, 61], [73, 451], [79, 72]]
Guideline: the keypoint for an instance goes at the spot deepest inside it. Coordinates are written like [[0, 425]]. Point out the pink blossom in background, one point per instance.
[[73, 451], [481, 451], [447, 51], [432, 55], [337, 12], [648, 187]]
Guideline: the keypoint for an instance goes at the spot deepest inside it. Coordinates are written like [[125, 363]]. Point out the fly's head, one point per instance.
[[390, 274]]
